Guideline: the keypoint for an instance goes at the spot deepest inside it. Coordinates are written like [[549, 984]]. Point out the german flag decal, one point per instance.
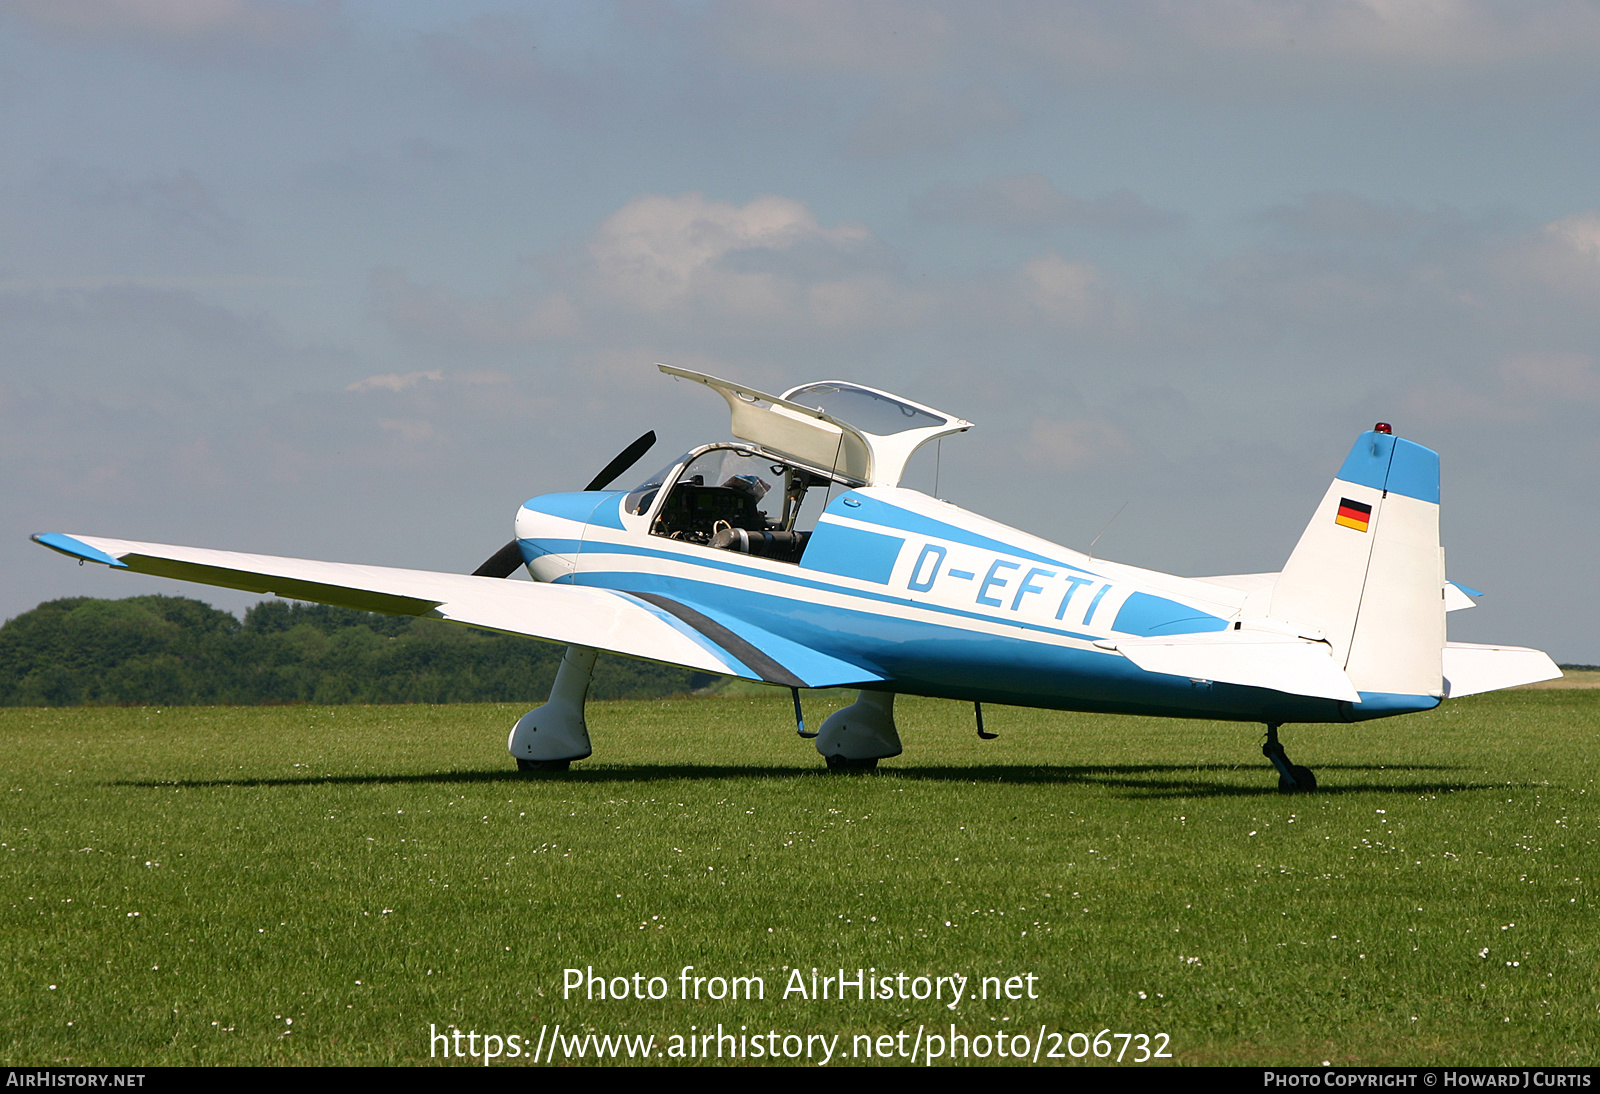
[[1352, 514]]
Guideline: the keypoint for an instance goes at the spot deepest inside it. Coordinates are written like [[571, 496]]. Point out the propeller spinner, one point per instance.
[[504, 562]]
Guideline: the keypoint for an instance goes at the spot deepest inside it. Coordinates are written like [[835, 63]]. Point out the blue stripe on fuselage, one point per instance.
[[1385, 704], [792, 577], [944, 658], [947, 660], [1151, 615], [1148, 616], [852, 552]]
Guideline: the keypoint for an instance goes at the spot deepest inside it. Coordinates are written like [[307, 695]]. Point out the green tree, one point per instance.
[[176, 651]]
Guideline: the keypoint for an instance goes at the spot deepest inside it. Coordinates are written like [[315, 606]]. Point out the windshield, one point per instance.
[[738, 468], [869, 411], [640, 497]]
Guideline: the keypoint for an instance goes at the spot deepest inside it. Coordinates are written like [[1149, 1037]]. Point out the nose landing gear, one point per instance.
[[1291, 777]]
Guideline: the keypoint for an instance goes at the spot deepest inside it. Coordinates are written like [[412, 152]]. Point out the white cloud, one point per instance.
[[1434, 32], [1521, 389], [395, 381], [1581, 233], [1563, 257], [658, 252], [665, 266], [1074, 445], [411, 432], [660, 260], [1061, 291]]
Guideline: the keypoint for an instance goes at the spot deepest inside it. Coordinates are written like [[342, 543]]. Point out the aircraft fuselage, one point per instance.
[[932, 599]]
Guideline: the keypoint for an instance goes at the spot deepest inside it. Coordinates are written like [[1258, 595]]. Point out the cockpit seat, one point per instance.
[[693, 508]]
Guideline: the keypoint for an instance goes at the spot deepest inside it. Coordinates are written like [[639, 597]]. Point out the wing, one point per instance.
[[649, 626]]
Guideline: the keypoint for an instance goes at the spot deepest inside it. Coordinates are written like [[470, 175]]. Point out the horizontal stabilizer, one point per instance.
[[1258, 659], [1469, 669], [648, 627]]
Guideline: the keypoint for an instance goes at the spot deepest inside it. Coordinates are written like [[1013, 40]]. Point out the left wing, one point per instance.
[[649, 626]]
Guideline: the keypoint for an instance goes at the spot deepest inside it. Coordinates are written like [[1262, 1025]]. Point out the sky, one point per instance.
[[351, 280]]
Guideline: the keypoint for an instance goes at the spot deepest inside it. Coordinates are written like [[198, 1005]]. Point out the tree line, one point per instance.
[[175, 651]]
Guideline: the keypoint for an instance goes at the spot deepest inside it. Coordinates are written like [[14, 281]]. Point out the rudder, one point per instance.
[[1368, 571]]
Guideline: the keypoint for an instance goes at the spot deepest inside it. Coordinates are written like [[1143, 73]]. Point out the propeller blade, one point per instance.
[[506, 561], [628, 457], [503, 563]]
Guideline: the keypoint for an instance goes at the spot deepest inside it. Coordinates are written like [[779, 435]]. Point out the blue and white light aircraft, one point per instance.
[[792, 556]]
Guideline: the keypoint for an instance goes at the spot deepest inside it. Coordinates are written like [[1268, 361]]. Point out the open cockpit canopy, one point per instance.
[[856, 433]]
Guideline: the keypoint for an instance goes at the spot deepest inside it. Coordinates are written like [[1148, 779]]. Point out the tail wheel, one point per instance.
[[1303, 779]]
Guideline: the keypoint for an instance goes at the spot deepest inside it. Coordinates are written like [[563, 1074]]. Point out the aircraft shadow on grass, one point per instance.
[[1136, 780]]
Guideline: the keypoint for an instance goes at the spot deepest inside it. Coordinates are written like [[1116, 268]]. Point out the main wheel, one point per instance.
[[1303, 780], [542, 765], [848, 766]]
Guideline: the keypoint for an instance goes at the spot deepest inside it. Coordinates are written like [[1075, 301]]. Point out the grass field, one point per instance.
[[321, 884]]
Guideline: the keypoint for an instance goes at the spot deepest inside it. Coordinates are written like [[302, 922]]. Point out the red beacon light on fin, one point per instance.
[[1383, 427]]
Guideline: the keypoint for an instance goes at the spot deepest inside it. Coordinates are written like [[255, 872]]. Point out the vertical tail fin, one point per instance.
[[1369, 573]]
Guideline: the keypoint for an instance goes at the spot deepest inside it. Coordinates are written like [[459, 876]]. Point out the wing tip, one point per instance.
[[76, 548]]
